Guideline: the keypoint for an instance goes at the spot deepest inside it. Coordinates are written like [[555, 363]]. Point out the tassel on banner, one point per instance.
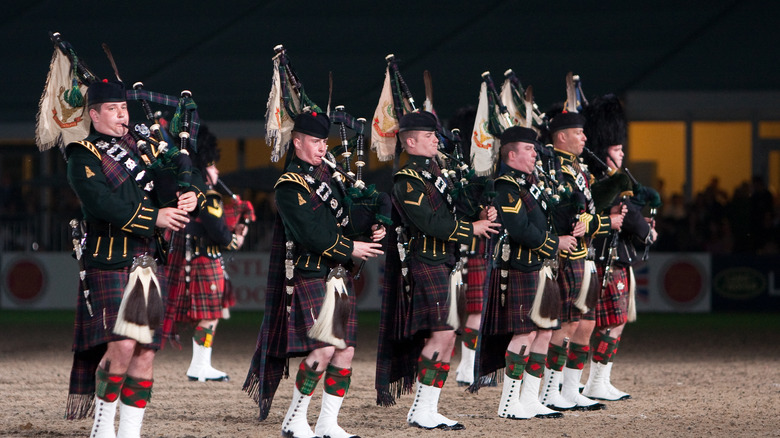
[[331, 323], [141, 310], [545, 309]]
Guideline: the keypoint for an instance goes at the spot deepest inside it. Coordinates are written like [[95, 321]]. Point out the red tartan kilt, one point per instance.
[[429, 307], [307, 300], [612, 308], [106, 290], [475, 279], [513, 317], [204, 298]]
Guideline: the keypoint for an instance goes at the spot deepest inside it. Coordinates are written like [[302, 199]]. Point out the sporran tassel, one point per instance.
[[456, 283], [545, 309], [324, 327], [588, 278], [631, 295], [141, 310]]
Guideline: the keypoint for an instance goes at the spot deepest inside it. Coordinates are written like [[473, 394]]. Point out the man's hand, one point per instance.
[[172, 218], [616, 221], [365, 250], [567, 243], [489, 213], [579, 229], [187, 201], [484, 228], [378, 232]]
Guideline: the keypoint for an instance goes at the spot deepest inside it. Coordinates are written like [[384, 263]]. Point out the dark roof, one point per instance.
[[222, 51]]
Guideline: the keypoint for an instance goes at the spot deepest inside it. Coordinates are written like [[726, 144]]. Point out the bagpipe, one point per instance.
[[468, 188], [367, 206], [236, 210], [170, 163]]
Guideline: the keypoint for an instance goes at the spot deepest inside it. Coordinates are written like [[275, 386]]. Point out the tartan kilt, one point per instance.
[[307, 298], [570, 274], [204, 298], [106, 290], [612, 308], [513, 317], [429, 308], [476, 264]]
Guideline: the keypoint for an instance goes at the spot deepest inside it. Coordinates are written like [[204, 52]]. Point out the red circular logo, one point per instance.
[[24, 280], [683, 282]]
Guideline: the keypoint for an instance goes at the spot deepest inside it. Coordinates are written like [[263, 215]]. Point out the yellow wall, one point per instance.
[[769, 129], [722, 150], [664, 144]]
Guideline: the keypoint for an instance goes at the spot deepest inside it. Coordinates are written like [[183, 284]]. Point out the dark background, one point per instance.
[[222, 51]]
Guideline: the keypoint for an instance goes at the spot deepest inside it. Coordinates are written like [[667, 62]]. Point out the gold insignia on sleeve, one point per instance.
[[510, 198], [409, 188], [88, 172], [416, 203], [301, 201], [512, 209]]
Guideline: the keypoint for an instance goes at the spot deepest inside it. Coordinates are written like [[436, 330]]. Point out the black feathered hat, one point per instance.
[[606, 124]]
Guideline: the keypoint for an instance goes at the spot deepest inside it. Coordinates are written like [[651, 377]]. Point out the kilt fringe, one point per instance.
[[80, 406], [386, 397], [496, 376]]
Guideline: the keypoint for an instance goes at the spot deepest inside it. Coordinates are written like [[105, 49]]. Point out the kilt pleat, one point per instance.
[[612, 308]]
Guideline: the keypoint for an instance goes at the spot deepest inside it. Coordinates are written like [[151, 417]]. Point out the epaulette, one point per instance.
[[513, 180], [569, 170], [409, 172], [90, 147], [293, 177], [508, 178]]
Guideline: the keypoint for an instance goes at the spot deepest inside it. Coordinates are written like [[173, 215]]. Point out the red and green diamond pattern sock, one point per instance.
[[603, 347], [337, 380], [307, 378], [136, 392], [515, 365], [441, 376], [108, 386], [578, 355], [614, 349], [556, 357], [535, 366], [203, 336], [470, 337], [427, 370]]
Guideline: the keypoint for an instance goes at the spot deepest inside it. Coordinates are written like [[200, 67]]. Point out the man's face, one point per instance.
[[615, 156], [522, 157], [310, 149], [572, 140], [423, 143], [111, 118]]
